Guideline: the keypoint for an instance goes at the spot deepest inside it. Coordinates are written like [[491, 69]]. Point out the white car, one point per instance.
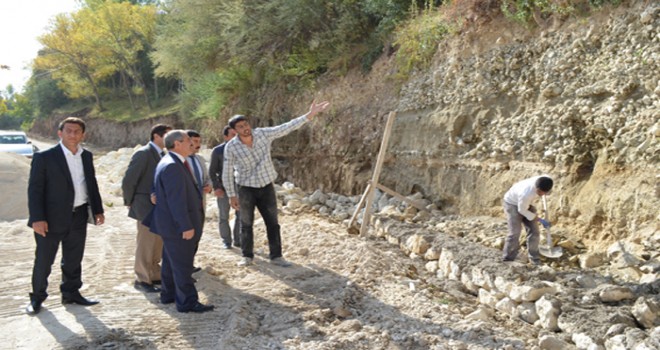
[[16, 142]]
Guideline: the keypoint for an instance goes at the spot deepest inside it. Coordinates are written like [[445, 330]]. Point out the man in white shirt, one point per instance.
[[62, 195], [520, 211], [248, 164]]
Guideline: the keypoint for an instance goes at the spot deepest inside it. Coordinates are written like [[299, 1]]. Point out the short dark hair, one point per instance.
[[193, 133], [225, 130], [72, 120], [544, 184], [235, 119], [160, 130]]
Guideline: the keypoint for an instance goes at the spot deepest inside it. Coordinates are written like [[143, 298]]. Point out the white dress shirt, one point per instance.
[[160, 151], [74, 161]]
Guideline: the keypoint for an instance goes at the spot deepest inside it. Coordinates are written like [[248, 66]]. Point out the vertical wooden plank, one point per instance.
[[376, 175]]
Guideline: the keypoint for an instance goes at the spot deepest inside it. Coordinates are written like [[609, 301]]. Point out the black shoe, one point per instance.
[[237, 245], [76, 298], [166, 301], [155, 282], [199, 308], [146, 287], [226, 246], [197, 269], [33, 307]]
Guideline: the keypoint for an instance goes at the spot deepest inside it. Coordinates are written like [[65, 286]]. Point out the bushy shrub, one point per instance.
[[206, 96], [417, 40]]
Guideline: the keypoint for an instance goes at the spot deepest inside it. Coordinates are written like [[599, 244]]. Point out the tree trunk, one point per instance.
[[128, 90]]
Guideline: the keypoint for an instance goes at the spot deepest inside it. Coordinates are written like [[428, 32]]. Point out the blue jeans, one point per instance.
[[225, 230], [265, 200], [515, 222]]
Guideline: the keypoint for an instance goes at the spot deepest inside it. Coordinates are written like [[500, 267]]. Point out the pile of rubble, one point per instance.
[[587, 300]]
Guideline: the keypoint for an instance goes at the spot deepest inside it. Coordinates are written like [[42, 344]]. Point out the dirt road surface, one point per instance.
[[343, 292]]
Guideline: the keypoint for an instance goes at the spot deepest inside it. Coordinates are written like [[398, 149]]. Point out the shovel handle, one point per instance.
[[548, 239]]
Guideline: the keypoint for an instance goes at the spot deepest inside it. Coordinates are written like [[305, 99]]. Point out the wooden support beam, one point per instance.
[[357, 209], [376, 175], [392, 193]]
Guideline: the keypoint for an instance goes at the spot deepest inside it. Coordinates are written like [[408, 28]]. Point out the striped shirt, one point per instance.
[[253, 166]]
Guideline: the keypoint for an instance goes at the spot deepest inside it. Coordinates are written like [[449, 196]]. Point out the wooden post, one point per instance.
[[374, 180]]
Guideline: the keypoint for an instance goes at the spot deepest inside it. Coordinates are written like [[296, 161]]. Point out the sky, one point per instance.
[[21, 22]]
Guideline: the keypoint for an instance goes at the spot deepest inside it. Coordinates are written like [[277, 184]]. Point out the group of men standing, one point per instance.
[[165, 193]]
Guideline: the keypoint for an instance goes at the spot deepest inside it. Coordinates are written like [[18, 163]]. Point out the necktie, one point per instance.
[[185, 162], [162, 154], [198, 176]]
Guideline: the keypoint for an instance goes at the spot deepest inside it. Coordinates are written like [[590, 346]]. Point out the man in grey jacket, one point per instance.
[[215, 171], [137, 187]]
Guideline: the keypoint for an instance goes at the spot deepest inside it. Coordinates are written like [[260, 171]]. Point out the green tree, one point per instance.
[[127, 30], [44, 94], [71, 55], [15, 109]]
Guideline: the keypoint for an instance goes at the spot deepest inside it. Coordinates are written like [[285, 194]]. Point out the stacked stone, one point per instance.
[[574, 308]]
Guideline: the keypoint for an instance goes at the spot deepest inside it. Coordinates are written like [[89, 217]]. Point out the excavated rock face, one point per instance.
[[579, 101]]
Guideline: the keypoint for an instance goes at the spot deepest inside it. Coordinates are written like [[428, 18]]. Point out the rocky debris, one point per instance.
[[626, 261], [580, 298]]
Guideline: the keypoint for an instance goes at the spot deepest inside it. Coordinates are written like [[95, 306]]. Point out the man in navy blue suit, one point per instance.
[[177, 218], [62, 194]]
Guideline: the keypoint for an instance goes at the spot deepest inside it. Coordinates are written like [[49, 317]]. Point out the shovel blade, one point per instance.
[[551, 252]]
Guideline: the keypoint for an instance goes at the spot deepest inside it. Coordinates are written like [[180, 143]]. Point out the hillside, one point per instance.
[[577, 98]]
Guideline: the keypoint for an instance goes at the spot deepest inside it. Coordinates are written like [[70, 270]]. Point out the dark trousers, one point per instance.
[[515, 221], [176, 272], [73, 249], [265, 200]]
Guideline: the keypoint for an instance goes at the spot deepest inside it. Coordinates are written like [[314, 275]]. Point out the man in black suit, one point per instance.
[[136, 186], [177, 218], [62, 191]]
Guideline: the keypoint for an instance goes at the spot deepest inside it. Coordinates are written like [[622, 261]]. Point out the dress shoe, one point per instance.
[[156, 282], [76, 298], [199, 308], [146, 287], [33, 307], [166, 301], [197, 269]]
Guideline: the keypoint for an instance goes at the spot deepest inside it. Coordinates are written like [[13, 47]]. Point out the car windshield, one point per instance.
[[13, 139]]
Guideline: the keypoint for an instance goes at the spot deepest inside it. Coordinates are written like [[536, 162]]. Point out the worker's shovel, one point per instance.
[[549, 251]]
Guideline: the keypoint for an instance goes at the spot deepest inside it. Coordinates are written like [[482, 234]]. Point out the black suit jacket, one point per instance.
[[50, 189]]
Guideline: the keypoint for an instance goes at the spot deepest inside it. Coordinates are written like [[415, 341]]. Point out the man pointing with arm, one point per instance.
[[248, 163]]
